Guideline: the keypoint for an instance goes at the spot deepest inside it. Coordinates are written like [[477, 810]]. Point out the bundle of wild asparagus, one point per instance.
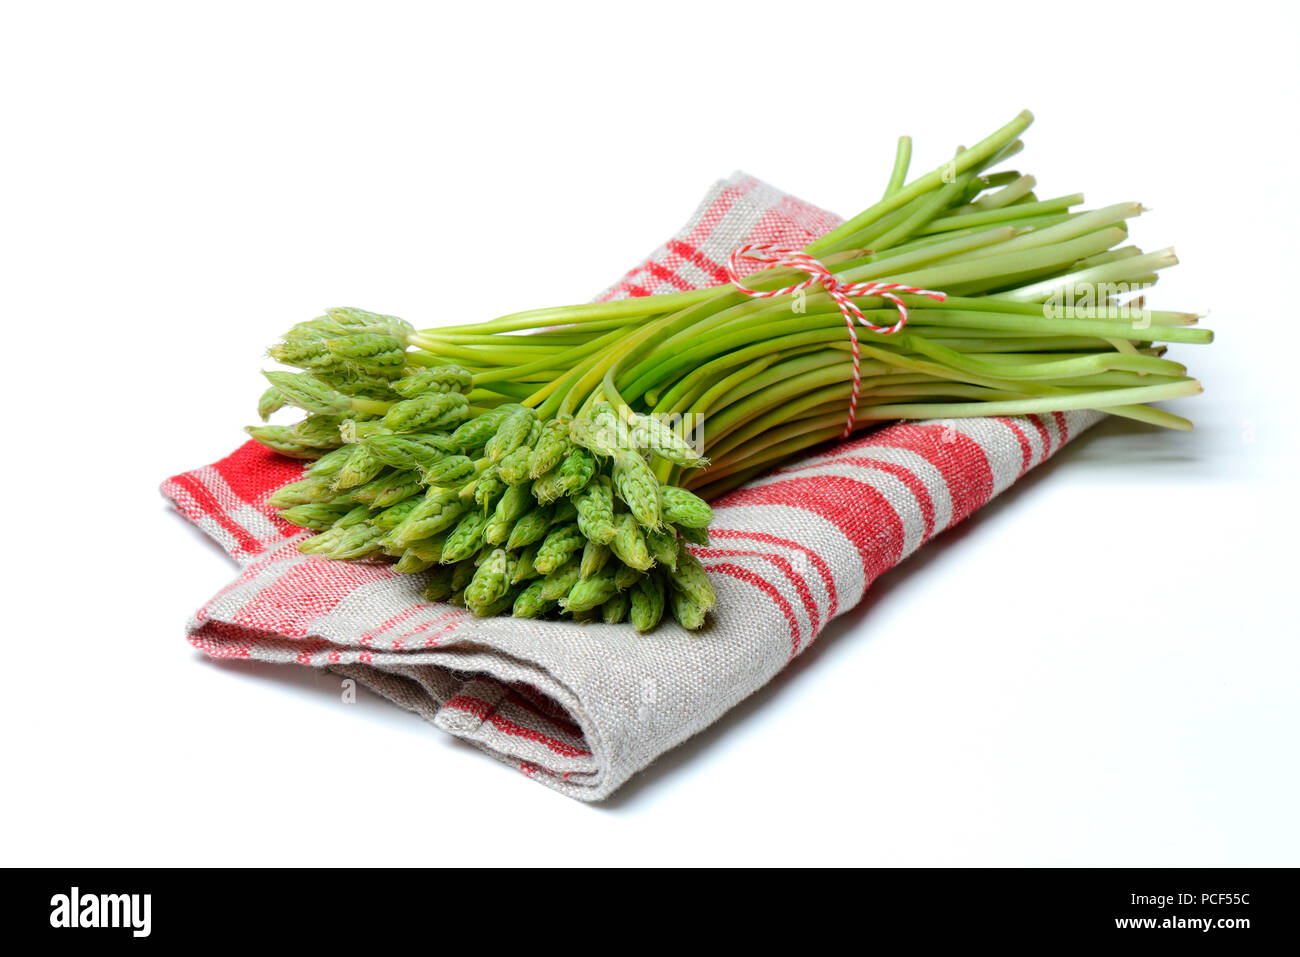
[[561, 460]]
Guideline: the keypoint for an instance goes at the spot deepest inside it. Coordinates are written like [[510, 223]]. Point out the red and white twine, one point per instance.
[[778, 257]]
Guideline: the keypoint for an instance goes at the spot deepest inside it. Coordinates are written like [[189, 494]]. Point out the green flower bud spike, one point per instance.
[[524, 568], [599, 438], [407, 451], [684, 508], [594, 558], [316, 516], [430, 412], [556, 584], [465, 539], [319, 431], [280, 438], [690, 580], [411, 563], [272, 400], [649, 432], [488, 488], [322, 543], [629, 543], [646, 602], [428, 549], [309, 490], [595, 505], [360, 468], [379, 355], [474, 433], [394, 515], [636, 485], [588, 593], [550, 448], [435, 379], [454, 470], [438, 510], [350, 320], [309, 393], [532, 601], [356, 542], [615, 610], [511, 434], [689, 613], [328, 465], [529, 528], [357, 515], [513, 466], [559, 545], [577, 469], [663, 547], [625, 576], [490, 582]]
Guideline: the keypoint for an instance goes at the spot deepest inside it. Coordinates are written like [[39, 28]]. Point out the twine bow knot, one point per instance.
[[779, 257]]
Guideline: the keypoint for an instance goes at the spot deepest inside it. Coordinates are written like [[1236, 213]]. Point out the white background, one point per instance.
[[1100, 668]]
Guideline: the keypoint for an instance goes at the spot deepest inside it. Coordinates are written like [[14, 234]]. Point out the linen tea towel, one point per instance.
[[581, 708]]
